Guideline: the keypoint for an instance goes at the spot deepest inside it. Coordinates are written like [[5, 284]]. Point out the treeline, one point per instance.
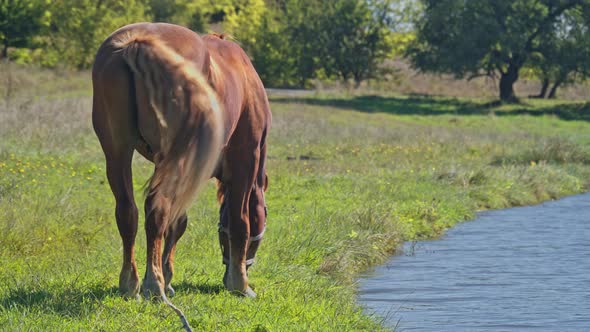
[[547, 39], [294, 42], [290, 41]]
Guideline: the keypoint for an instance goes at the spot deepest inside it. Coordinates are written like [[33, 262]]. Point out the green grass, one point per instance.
[[350, 179]]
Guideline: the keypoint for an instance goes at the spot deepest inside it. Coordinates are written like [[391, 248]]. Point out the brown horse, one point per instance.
[[195, 107]]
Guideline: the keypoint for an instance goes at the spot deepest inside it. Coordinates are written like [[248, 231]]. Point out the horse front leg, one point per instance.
[[157, 210], [236, 214], [258, 214], [258, 210]]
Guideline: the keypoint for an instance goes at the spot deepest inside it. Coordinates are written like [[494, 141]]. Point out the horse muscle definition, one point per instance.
[[197, 109]]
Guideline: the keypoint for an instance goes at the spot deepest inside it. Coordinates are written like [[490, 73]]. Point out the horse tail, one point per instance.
[[188, 113]]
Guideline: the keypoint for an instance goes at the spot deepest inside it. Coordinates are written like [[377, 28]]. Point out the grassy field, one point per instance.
[[350, 178]]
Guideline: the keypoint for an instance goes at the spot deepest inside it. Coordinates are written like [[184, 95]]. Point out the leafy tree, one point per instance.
[[243, 19], [293, 41], [19, 21], [356, 38], [267, 44], [563, 53], [283, 45], [271, 56], [190, 13], [403, 15], [79, 26], [305, 38], [487, 37], [197, 14], [166, 10]]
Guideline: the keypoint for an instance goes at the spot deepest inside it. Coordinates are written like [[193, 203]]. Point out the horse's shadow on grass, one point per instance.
[[69, 302], [78, 302], [185, 287]]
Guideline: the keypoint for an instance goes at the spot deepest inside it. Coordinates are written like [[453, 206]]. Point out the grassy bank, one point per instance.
[[350, 178]]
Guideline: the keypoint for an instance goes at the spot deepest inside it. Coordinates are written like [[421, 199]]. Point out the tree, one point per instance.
[[79, 26], [355, 35], [563, 53], [487, 37], [190, 13], [404, 13], [282, 41], [166, 10], [293, 41], [243, 20], [19, 21]]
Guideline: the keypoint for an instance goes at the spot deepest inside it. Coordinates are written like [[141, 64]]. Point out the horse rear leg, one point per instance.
[[173, 234], [117, 144], [157, 212], [119, 175]]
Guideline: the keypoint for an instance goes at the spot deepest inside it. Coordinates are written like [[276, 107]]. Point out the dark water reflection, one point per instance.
[[521, 269]]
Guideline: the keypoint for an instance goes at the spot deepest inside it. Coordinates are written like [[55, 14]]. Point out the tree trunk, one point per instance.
[[358, 76], [357, 82], [553, 92], [5, 49], [507, 81], [544, 87]]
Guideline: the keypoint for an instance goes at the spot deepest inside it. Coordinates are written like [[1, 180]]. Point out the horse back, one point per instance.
[[183, 41]]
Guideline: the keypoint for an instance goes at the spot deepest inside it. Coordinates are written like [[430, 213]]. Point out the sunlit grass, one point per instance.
[[350, 178]]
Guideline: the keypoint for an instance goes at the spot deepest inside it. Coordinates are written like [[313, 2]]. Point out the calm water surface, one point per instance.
[[521, 269]]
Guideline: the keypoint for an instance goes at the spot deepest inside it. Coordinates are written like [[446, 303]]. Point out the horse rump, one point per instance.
[[188, 114]]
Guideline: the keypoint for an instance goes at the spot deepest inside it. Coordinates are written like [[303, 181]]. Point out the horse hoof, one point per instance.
[[153, 297], [135, 297], [153, 293], [129, 297], [170, 291], [129, 294], [249, 293]]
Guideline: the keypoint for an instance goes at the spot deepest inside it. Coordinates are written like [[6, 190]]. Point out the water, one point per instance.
[[520, 269]]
